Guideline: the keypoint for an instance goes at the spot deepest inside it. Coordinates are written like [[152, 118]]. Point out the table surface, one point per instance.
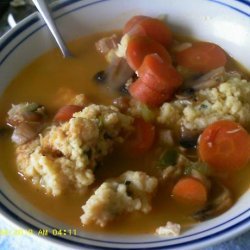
[[8, 242]]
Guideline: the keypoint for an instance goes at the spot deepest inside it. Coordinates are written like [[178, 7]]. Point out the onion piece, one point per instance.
[[25, 132], [106, 44]]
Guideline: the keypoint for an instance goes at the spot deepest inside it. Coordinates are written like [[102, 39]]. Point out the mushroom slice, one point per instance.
[[118, 72], [25, 112], [27, 119], [188, 138], [25, 132], [185, 96], [211, 79], [219, 204]]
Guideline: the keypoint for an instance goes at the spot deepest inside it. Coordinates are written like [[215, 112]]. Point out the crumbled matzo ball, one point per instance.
[[230, 100], [132, 191], [66, 154], [170, 229]]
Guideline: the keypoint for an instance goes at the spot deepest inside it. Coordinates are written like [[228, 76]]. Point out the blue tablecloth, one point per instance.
[[8, 242]]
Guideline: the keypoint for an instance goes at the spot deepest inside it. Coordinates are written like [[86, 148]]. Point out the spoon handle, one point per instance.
[[44, 10]]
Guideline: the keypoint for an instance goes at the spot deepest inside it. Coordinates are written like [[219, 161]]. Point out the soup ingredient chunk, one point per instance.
[[170, 229], [106, 44], [66, 154], [202, 57], [138, 47], [230, 100], [66, 112], [142, 139], [225, 146], [159, 77], [189, 190], [141, 92], [218, 204], [152, 27], [27, 119], [132, 191]]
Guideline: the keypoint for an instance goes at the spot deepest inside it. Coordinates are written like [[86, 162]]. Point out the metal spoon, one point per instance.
[[44, 10]]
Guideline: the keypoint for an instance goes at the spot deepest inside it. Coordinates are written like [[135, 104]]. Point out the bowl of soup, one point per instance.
[[141, 138]]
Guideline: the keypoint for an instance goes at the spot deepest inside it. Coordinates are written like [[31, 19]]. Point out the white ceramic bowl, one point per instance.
[[225, 22]]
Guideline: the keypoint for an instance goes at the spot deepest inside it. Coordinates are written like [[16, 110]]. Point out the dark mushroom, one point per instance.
[[116, 75], [211, 79], [218, 205], [188, 137], [185, 94], [100, 77]]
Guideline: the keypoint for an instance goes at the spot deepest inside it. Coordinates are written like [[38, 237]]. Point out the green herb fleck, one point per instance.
[[33, 107], [201, 167], [168, 158], [203, 106], [147, 114]]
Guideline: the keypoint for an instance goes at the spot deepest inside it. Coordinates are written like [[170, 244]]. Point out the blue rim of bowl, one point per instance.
[[208, 237], [243, 224]]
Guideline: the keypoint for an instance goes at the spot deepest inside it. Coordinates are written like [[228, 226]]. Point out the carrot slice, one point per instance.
[[141, 92], [225, 146], [142, 139], [202, 57], [152, 27], [139, 47], [135, 20], [159, 75], [189, 190], [65, 113]]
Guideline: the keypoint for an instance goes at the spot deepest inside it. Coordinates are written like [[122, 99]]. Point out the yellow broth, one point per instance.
[[42, 82]]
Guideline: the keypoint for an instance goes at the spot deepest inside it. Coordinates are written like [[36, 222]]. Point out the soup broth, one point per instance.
[[44, 81]]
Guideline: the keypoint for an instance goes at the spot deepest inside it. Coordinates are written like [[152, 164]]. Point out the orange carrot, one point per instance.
[[159, 75], [139, 47], [202, 57], [142, 139], [151, 27], [141, 92], [66, 112], [225, 146], [132, 22], [189, 190]]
